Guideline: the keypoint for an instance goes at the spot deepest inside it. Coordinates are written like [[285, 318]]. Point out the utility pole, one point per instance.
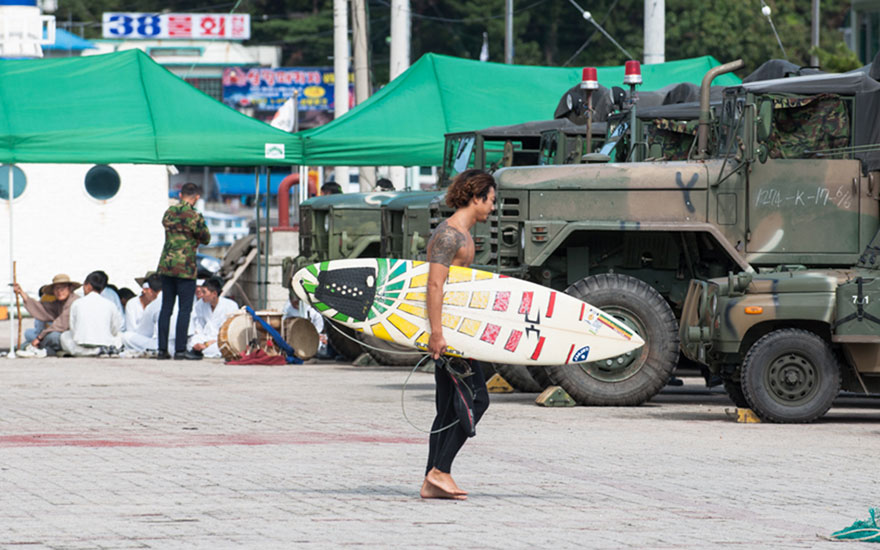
[[362, 84], [401, 31], [508, 32], [814, 35], [340, 75], [655, 31]]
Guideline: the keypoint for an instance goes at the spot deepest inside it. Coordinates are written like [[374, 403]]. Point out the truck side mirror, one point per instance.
[[765, 120]]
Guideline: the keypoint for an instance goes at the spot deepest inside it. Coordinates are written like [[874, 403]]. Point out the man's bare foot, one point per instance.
[[432, 491], [444, 482]]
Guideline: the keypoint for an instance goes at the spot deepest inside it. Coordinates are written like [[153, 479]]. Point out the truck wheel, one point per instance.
[[541, 377], [635, 377], [734, 391], [518, 376], [344, 346], [388, 353], [790, 375]]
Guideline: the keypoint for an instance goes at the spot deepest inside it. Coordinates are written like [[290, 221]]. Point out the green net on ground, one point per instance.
[[861, 530]]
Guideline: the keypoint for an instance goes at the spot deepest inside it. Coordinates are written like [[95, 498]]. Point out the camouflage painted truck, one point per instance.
[[406, 220], [776, 175], [350, 225], [786, 342]]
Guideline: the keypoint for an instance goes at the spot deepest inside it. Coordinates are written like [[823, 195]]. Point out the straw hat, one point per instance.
[[61, 278], [141, 280]]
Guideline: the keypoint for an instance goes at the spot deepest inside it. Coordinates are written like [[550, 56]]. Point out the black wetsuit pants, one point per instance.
[[444, 445]]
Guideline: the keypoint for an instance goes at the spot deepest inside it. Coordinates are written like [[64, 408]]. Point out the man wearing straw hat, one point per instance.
[[55, 314]]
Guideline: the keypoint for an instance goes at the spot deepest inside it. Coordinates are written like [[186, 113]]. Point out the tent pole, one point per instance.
[[266, 263], [257, 226], [11, 191]]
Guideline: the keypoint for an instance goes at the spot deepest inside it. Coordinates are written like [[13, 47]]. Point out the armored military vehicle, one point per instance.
[[787, 341], [776, 175]]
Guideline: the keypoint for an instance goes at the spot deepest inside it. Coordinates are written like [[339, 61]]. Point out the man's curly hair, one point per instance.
[[468, 185]]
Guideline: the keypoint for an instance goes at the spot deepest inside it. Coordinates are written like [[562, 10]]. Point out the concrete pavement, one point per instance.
[[114, 453]]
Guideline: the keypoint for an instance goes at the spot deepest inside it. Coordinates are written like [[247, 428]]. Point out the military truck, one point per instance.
[[776, 175], [406, 220], [787, 341]]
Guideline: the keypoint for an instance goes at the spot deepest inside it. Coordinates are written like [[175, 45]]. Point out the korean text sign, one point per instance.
[[185, 26], [268, 89]]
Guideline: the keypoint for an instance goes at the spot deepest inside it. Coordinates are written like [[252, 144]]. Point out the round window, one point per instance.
[[19, 182], [102, 182]]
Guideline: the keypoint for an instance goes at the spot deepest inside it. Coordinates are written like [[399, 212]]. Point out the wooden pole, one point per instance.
[[17, 305]]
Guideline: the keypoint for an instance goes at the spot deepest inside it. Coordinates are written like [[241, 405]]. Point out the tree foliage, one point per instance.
[[547, 32]]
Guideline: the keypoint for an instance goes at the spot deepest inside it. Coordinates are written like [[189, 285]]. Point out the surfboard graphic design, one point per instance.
[[486, 316]]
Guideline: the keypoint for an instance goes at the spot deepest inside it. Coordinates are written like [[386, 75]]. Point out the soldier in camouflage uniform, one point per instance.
[[185, 229]]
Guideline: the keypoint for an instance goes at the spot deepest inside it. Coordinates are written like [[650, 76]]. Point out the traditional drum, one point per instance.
[[301, 335], [235, 335]]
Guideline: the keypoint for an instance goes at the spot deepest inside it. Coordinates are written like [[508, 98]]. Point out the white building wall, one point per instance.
[[60, 228]]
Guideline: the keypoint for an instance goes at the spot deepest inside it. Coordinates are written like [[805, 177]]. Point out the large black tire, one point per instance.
[[345, 344], [734, 391], [388, 353], [518, 376], [541, 377], [790, 376], [635, 377]]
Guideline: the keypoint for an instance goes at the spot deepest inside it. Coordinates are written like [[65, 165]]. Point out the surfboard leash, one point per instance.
[[405, 382]]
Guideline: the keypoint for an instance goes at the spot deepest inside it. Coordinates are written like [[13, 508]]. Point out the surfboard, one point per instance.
[[486, 316]]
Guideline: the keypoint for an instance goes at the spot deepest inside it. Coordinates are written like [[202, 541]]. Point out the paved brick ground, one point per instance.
[[146, 454]]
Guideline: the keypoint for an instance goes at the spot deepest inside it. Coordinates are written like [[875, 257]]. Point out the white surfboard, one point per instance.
[[486, 316]]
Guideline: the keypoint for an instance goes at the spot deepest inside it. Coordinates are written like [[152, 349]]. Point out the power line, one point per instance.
[[466, 19], [590, 38]]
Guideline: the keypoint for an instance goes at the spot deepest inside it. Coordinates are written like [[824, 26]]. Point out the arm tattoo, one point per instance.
[[444, 244]]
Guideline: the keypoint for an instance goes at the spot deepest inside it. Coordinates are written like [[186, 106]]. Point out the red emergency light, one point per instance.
[[632, 73], [589, 79]]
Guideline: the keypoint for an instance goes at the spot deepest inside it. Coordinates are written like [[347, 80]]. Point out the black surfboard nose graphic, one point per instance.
[[350, 291]]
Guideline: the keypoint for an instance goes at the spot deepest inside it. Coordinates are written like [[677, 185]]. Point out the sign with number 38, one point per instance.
[[182, 26]]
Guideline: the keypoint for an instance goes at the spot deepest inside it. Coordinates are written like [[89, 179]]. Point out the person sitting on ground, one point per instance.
[[95, 322], [55, 313], [134, 309], [201, 311], [292, 309], [125, 296], [144, 339], [110, 293], [45, 298], [205, 340]]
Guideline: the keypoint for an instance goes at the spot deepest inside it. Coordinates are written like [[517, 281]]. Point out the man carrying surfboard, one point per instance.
[[472, 194]]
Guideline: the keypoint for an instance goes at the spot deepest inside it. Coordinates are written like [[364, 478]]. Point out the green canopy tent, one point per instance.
[[125, 108], [403, 123]]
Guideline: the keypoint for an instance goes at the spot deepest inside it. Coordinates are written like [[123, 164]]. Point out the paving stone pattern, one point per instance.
[[114, 453]]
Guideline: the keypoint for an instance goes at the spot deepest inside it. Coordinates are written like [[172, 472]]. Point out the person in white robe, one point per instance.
[[150, 285], [95, 323], [202, 310], [145, 338], [205, 339]]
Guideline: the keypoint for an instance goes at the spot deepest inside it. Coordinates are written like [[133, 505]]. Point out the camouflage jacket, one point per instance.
[[185, 229]]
